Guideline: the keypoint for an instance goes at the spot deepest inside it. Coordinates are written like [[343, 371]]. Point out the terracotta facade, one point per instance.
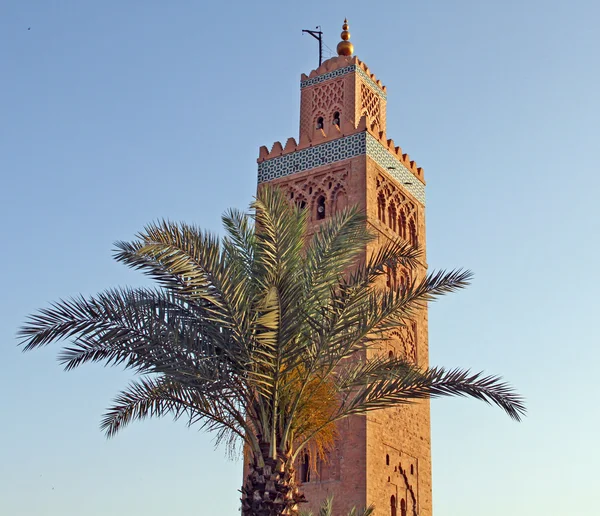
[[343, 157]]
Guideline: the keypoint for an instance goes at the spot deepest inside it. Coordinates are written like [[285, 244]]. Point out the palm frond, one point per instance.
[[179, 256], [333, 249], [394, 383], [158, 397], [262, 335]]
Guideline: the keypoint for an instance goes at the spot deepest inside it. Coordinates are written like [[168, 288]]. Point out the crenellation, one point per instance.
[[290, 145], [276, 150], [263, 152], [321, 138]]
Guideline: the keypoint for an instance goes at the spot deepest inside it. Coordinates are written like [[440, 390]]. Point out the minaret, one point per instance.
[[343, 157]]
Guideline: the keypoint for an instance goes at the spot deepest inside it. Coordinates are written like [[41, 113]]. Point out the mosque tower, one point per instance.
[[343, 157]]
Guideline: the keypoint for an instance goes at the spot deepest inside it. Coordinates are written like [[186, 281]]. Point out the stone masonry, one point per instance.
[[343, 157]]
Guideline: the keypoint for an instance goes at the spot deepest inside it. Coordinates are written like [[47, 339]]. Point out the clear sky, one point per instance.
[[116, 113]]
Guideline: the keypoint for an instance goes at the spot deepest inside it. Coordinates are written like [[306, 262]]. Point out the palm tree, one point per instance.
[[326, 509], [260, 336]]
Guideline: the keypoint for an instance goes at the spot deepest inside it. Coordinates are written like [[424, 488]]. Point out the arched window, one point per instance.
[[391, 277], [390, 355], [381, 207], [404, 280], [393, 505], [402, 507], [392, 216], [402, 224], [336, 118], [321, 207], [387, 457], [305, 468], [320, 122], [412, 228], [340, 200]]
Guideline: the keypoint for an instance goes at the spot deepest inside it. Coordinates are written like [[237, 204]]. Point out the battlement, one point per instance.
[[291, 145]]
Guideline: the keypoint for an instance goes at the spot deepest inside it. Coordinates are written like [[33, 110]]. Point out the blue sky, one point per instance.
[[114, 114]]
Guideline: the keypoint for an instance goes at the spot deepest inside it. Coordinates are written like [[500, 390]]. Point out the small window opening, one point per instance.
[[320, 122], [302, 205], [402, 225], [310, 190], [321, 208], [329, 184], [390, 355], [392, 216], [291, 195], [387, 457], [412, 229], [305, 469], [336, 118], [393, 505], [402, 507], [381, 207], [412, 470]]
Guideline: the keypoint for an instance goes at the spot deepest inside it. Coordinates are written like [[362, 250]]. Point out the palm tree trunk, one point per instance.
[[270, 490]]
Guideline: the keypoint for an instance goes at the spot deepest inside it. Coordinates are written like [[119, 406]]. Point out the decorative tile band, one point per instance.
[[371, 82], [395, 168], [313, 157], [339, 73], [358, 144]]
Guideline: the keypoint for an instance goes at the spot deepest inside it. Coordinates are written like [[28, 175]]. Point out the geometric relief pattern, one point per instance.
[[407, 337], [396, 211], [395, 168], [312, 157], [370, 104], [328, 95], [340, 149], [326, 190], [344, 71]]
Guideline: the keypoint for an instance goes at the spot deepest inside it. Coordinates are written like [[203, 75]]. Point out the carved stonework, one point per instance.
[[328, 188], [396, 211], [327, 98], [404, 341], [370, 106]]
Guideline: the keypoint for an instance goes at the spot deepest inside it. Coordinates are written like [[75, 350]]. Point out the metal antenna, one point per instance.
[[318, 35]]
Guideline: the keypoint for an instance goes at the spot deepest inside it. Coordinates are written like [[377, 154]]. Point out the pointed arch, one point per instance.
[[412, 229], [392, 216], [341, 200], [320, 208], [402, 224], [305, 468], [381, 207]]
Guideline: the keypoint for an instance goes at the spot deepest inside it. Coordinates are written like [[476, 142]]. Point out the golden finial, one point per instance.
[[345, 48]]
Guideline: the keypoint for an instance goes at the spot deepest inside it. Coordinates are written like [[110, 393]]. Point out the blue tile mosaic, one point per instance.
[[395, 168], [347, 147], [313, 157], [343, 71]]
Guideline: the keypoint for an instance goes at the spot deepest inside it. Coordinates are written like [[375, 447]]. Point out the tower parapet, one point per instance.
[[342, 115]]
